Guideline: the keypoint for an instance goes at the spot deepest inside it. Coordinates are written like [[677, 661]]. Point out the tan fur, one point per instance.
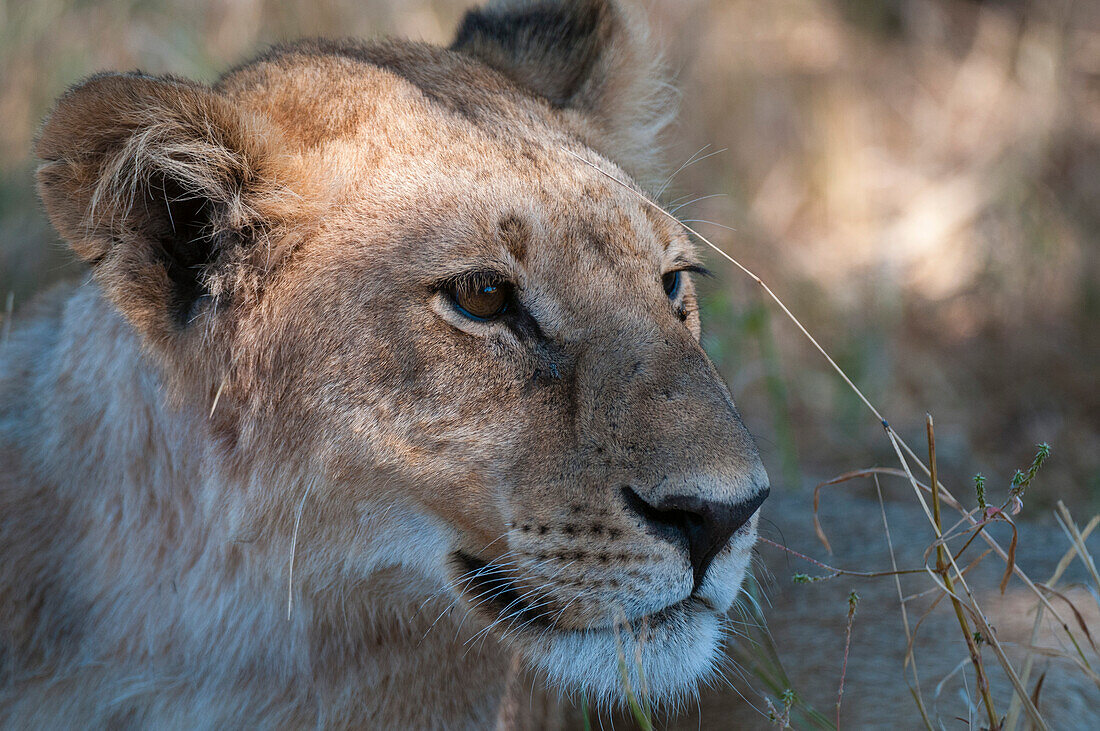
[[261, 380]]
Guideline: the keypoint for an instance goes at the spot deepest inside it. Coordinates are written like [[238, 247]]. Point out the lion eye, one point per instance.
[[483, 301], [671, 282]]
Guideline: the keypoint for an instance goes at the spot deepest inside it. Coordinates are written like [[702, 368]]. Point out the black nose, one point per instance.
[[704, 525]]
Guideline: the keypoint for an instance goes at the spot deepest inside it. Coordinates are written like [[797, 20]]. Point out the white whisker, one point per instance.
[[293, 548]]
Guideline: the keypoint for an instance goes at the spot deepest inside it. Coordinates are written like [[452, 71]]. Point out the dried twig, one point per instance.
[[941, 568], [853, 600]]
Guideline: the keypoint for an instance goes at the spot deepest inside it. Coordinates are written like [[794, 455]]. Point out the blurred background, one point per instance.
[[918, 179]]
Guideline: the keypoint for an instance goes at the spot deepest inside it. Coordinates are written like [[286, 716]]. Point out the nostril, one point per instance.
[[702, 526], [672, 525]]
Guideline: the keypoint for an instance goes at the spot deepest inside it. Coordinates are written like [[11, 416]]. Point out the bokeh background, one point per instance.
[[919, 179]]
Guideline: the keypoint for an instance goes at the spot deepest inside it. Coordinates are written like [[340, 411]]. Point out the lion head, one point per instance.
[[425, 289]]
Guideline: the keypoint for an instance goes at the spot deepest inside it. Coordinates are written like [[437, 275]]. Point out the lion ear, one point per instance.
[[157, 183], [592, 56]]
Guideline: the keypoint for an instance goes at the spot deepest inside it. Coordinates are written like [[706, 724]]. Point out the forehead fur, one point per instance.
[[363, 105], [590, 61], [321, 90], [398, 122]]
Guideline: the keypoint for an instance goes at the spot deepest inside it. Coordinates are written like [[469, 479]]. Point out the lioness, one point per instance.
[[385, 372]]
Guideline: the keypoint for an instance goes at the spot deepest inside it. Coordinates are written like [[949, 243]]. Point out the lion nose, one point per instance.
[[704, 525]]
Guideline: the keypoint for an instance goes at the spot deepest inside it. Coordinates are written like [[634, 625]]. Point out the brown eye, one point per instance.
[[483, 301]]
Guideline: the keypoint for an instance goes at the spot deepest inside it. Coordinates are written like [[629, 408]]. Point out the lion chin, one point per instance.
[[663, 661]]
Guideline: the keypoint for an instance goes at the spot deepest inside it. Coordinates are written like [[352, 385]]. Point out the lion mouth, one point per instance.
[[668, 651], [490, 591], [487, 587]]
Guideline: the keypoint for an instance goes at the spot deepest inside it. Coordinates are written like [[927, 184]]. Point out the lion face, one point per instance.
[[537, 385], [424, 283]]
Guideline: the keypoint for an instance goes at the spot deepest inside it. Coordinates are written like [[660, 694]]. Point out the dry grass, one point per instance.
[[950, 576]]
